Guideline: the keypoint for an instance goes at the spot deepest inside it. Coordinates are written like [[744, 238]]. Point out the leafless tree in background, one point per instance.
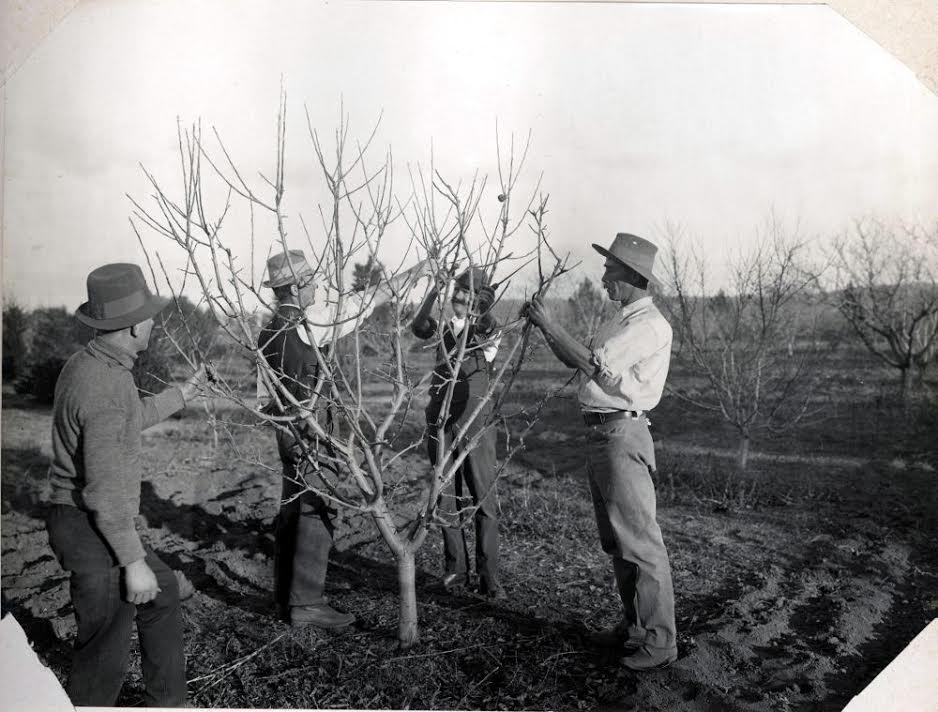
[[752, 343], [887, 290], [351, 463]]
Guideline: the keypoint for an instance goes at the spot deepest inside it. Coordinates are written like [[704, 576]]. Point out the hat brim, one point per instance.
[[274, 283], [646, 273], [153, 307]]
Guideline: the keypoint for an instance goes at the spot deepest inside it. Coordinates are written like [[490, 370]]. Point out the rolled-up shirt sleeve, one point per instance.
[[106, 491], [625, 358]]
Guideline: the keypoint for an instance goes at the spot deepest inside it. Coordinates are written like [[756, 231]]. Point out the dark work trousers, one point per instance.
[[303, 534], [104, 619], [620, 459], [474, 483]]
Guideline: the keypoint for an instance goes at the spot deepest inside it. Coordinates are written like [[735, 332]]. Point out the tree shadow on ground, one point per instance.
[[348, 570], [195, 523]]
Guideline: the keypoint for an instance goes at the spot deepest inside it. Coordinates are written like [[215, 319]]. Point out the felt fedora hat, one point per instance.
[[118, 297], [473, 277], [285, 267], [633, 251]]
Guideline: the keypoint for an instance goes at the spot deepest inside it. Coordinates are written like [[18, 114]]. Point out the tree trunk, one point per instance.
[[407, 631], [905, 384], [743, 454]]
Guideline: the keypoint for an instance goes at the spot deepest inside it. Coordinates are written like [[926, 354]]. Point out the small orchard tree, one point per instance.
[[742, 340], [588, 308], [887, 289], [351, 464]]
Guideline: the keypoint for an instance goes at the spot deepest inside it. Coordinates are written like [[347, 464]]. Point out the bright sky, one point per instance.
[[707, 116]]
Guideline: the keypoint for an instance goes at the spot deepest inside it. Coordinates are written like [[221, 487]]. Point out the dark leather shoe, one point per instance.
[[645, 659], [615, 637], [455, 581], [321, 616], [493, 592]]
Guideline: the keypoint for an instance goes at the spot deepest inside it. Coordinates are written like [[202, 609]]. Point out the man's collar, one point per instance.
[[291, 312], [110, 352], [628, 310]]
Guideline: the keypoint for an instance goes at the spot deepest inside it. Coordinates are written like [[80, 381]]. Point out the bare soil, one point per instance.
[[796, 584]]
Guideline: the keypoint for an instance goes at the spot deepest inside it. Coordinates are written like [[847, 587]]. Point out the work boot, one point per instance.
[[492, 591], [321, 616], [645, 658], [616, 636]]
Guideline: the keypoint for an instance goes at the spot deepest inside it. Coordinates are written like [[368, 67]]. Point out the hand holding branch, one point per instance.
[[535, 312], [196, 382]]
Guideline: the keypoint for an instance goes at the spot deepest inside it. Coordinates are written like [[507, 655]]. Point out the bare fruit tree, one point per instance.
[[349, 458], [887, 290], [751, 344]]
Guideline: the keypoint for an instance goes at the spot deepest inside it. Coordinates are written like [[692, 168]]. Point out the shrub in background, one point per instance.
[[38, 344], [15, 324], [52, 335]]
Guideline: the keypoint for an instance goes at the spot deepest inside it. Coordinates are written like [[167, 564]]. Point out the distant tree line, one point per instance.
[[38, 342]]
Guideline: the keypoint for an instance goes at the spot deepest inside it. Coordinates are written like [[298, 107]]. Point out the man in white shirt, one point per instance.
[[623, 371]]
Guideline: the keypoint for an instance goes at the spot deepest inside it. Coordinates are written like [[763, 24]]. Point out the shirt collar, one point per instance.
[[631, 309], [291, 312], [109, 352]]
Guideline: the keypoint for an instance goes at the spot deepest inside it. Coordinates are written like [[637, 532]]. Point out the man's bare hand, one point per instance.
[[190, 389], [140, 582], [536, 313]]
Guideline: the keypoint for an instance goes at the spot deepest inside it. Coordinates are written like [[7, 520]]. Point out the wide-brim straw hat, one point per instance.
[[286, 268], [633, 251], [118, 297]]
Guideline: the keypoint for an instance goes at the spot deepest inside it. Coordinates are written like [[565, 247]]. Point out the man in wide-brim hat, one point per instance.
[[623, 370], [474, 481], [95, 497], [303, 530]]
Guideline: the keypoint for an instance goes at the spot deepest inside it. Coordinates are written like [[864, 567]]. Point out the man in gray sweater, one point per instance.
[[95, 474]]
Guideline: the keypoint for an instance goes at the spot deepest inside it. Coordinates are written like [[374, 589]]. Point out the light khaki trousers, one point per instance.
[[620, 459]]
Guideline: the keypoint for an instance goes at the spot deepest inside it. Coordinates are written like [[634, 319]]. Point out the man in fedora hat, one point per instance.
[[95, 497], [477, 473], [303, 531], [623, 370]]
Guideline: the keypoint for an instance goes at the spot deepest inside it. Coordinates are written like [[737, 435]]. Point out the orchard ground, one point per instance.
[[795, 584]]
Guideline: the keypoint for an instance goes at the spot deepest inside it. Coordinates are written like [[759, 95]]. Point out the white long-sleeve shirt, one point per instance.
[[632, 354]]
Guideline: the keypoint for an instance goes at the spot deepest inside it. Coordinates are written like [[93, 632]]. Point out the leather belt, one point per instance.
[[596, 418]]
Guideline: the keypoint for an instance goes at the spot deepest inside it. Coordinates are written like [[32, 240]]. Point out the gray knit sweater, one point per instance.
[[97, 420]]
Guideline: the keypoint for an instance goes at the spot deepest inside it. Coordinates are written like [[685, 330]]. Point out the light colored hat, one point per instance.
[[633, 251], [118, 297], [286, 267]]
